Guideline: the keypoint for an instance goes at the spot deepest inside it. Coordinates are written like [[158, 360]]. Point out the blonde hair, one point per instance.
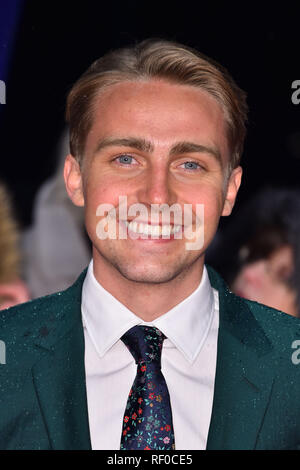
[[9, 251], [163, 60]]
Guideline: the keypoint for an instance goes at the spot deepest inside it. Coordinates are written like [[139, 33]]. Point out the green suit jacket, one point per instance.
[[43, 402]]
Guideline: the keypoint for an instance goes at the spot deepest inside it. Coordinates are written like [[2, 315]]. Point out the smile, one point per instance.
[[153, 230]]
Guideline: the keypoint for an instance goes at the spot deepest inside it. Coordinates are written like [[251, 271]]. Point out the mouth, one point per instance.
[[154, 230], [151, 232]]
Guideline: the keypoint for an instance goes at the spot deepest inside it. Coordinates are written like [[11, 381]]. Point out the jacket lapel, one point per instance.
[[59, 377], [244, 374]]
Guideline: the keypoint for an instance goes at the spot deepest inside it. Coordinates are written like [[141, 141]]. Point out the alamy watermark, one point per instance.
[[2, 92], [136, 222], [296, 353], [2, 352], [296, 94]]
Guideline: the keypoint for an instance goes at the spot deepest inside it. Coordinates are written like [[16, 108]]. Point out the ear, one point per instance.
[[232, 190], [73, 180]]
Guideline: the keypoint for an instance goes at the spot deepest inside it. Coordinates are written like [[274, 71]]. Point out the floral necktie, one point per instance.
[[147, 420]]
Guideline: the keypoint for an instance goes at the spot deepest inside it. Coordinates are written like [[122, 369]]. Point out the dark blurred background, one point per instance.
[[45, 46]]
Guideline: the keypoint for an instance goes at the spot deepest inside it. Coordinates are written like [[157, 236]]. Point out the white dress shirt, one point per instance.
[[188, 362]]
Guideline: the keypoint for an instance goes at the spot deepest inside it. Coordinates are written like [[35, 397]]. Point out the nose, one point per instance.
[[157, 187]]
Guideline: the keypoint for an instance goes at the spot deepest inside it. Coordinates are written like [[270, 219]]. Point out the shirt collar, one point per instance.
[[186, 325]]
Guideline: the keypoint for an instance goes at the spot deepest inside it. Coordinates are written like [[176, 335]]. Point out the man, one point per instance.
[[156, 126]]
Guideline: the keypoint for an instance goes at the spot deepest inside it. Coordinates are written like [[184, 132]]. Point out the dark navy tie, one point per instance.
[[147, 422]]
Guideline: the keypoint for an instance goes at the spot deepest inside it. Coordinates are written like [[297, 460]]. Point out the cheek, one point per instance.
[[103, 192], [213, 205]]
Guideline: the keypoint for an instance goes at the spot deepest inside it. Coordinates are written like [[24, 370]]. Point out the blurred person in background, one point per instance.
[[261, 261], [13, 290], [55, 246]]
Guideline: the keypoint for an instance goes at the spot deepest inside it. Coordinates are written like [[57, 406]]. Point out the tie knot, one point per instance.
[[144, 343]]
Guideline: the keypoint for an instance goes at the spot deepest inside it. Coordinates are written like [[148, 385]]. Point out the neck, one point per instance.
[[148, 300]]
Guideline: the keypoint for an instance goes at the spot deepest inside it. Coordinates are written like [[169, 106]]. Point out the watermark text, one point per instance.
[[2, 352], [2, 92], [296, 94], [296, 353], [163, 221]]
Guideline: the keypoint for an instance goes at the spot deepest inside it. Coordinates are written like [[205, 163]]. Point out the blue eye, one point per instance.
[[126, 159], [192, 165]]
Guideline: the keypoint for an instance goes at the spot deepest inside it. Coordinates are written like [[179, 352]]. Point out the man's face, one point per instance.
[[142, 142]]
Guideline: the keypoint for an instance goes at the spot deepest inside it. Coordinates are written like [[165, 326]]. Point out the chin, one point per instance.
[[154, 275]]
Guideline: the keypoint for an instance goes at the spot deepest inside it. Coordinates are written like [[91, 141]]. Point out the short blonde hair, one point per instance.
[[164, 60]]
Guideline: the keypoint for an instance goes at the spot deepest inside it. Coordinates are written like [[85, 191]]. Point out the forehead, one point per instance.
[[160, 112]]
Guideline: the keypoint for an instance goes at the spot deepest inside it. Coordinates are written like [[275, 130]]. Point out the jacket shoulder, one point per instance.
[[28, 323], [31, 313], [279, 326]]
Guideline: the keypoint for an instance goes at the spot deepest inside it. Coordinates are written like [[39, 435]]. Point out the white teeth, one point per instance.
[[156, 230], [166, 230], [145, 228], [141, 228], [153, 230]]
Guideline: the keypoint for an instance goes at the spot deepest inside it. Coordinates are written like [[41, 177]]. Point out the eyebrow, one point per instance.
[[190, 147], [139, 144], [147, 147]]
